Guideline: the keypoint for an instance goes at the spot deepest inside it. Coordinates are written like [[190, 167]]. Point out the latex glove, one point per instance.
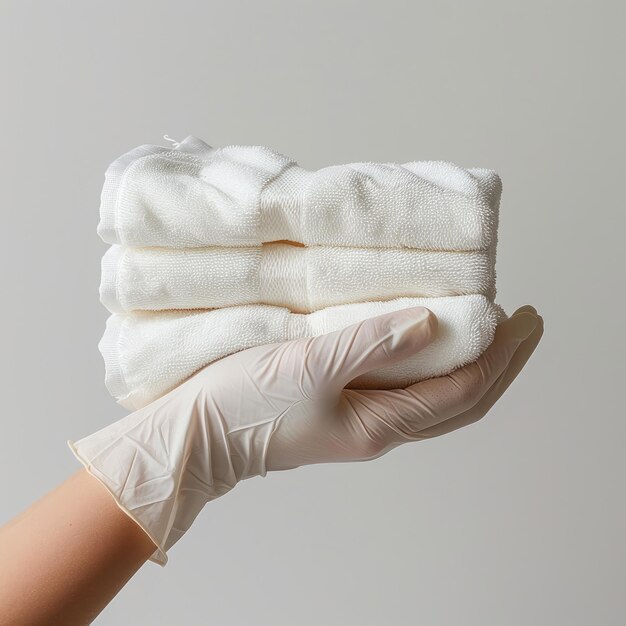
[[279, 406]]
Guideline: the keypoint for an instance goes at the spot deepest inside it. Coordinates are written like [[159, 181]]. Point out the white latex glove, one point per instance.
[[280, 406]]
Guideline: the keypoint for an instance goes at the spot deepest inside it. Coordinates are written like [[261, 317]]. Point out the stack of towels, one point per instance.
[[215, 250]]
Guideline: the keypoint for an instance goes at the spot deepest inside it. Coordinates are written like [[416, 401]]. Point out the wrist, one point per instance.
[[143, 460]]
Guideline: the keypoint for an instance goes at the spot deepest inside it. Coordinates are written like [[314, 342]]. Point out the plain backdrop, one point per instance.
[[518, 519]]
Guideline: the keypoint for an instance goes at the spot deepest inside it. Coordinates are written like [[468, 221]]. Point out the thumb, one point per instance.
[[375, 342]]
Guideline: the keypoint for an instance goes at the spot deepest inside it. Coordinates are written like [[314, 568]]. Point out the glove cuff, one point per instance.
[[161, 464]]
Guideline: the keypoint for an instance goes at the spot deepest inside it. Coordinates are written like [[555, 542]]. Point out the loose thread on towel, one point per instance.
[[174, 142]]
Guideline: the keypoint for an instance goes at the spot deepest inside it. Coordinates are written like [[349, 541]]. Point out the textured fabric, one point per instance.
[[198, 196], [149, 353], [303, 279], [194, 229]]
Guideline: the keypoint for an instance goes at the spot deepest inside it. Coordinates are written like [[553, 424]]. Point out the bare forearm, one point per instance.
[[68, 555]]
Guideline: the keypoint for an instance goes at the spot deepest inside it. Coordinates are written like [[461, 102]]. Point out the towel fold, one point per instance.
[[203, 262], [302, 279], [149, 353], [197, 196]]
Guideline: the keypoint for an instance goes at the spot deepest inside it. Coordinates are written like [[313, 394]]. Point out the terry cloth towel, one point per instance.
[[149, 353], [194, 196], [299, 278]]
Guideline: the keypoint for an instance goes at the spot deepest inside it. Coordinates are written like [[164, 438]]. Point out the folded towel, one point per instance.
[[303, 279], [194, 195], [149, 353]]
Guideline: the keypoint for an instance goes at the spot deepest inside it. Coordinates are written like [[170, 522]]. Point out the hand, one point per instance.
[[279, 406]]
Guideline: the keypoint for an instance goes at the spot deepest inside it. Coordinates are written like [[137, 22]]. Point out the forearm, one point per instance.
[[68, 555]]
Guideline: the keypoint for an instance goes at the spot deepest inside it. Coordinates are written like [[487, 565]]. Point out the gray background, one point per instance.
[[518, 519]]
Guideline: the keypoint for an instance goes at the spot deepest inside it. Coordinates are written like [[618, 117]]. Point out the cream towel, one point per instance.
[[149, 353], [194, 195], [299, 278]]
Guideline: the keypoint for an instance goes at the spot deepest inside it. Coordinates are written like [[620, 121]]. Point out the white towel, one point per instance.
[[302, 279], [149, 353], [194, 195]]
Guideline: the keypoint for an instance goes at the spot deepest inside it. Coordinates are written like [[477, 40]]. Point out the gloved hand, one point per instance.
[[280, 406]]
